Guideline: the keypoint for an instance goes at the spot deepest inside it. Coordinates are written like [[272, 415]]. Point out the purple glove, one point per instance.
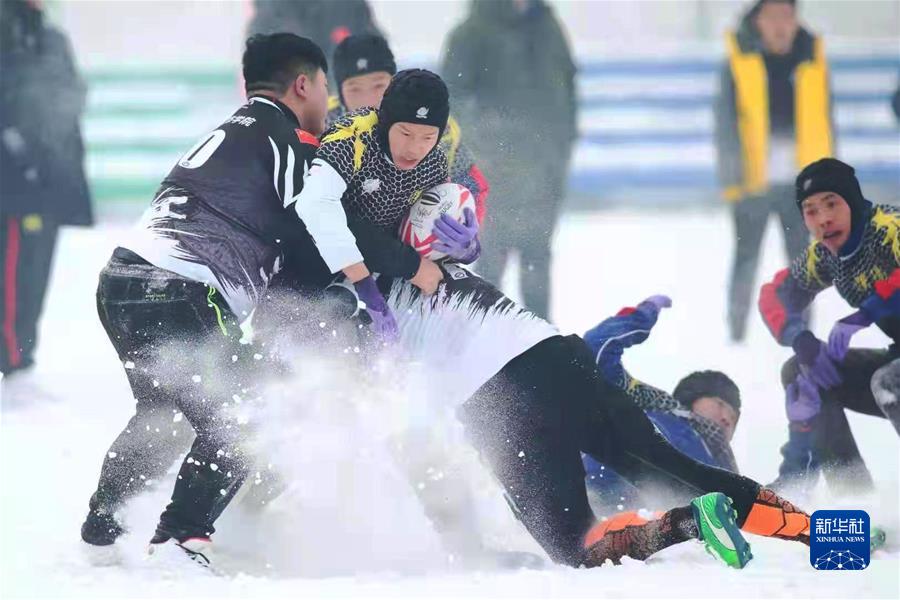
[[656, 303], [843, 330], [458, 240], [803, 400], [383, 322], [815, 363]]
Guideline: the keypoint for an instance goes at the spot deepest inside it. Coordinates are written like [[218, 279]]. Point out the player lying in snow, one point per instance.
[[857, 250], [531, 400], [698, 418]]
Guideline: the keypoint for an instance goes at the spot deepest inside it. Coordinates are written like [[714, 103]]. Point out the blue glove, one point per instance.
[[815, 363], [611, 336], [458, 240], [842, 331], [383, 322], [803, 400]]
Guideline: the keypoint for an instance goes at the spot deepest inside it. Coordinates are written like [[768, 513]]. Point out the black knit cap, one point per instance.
[[759, 4], [829, 175], [414, 96], [707, 383], [362, 54]]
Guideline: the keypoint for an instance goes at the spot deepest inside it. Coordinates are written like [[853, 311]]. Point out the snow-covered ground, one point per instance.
[[354, 528]]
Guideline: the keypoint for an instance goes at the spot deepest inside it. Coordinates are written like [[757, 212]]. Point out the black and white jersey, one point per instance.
[[221, 214], [463, 334]]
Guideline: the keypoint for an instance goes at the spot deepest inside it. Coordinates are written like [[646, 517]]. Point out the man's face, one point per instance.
[[777, 25], [718, 411], [827, 216], [410, 143], [312, 108], [365, 90]]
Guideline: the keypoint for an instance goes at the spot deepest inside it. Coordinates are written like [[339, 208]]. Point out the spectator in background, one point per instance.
[[512, 79], [42, 180], [773, 117], [326, 22]]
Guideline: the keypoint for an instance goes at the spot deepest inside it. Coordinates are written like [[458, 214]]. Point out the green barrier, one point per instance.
[[125, 189], [216, 76]]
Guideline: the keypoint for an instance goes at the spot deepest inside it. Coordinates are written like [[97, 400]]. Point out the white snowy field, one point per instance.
[[354, 529]]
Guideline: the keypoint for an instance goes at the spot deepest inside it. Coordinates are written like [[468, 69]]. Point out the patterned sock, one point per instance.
[[630, 535]]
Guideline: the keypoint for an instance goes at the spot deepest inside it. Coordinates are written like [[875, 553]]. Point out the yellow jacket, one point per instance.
[[742, 119]]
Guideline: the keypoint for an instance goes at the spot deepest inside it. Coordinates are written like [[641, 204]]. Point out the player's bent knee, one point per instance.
[[789, 371], [885, 384]]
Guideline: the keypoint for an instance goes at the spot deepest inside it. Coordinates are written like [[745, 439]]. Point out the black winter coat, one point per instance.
[[42, 99]]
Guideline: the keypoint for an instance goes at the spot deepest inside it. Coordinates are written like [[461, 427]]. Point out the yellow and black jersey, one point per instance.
[[375, 189], [872, 268], [460, 159], [336, 110]]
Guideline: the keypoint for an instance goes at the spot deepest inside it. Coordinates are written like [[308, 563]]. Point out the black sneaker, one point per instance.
[[100, 529]]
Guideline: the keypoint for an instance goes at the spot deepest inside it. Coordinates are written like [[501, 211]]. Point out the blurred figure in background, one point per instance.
[[895, 101], [42, 180], [512, 79], [773, 116], [326, 22]]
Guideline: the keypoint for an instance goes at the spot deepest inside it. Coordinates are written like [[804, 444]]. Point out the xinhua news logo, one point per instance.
[[839, 540]]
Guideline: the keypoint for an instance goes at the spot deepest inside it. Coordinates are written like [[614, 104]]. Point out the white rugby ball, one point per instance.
[[416, 227]]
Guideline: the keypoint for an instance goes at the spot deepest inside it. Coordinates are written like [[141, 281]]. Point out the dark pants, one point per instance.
[[826, 442], [532, 421], [26, 257], [521, 216], [180, 347], [750, 218]]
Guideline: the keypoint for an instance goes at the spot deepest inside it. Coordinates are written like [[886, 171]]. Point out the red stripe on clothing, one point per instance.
[[626, 311], [483, 189], [306, 137], [886, 287], [9, 291], [773, 311]]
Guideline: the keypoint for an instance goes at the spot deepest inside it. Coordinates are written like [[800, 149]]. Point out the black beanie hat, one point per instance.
[[414, 96], [707, 383], [754, 10], [362, 54], [829, 175]]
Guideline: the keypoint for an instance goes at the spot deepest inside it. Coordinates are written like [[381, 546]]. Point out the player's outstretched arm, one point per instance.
[[629, 326]]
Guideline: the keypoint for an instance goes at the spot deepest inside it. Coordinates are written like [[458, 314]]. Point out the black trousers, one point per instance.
[[832, 440], [26, 257], [532, 421], [179, 344], [750, 218]]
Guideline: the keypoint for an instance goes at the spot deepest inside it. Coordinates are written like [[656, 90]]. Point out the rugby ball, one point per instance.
[[416, 227]]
